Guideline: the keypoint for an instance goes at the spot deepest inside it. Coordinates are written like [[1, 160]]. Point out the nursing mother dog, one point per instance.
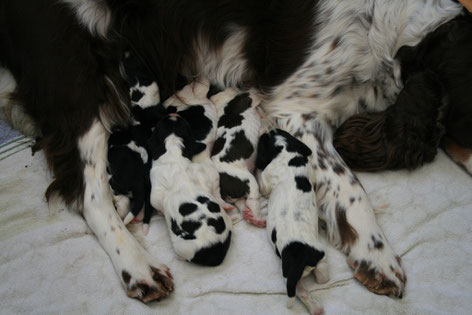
[[314, 64]]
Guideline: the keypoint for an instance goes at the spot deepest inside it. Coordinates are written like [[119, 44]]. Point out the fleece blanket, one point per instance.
[[50, 262]]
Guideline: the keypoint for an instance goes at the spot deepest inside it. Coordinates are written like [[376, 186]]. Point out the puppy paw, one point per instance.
[[250, 218], [382, 275]]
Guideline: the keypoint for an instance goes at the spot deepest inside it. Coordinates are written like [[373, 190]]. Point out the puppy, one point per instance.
[[234, 152], [128, 161], [285, 175], [192, 104], [406, 135], [200, 230]]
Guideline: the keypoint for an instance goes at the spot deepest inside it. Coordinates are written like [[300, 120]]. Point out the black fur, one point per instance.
[[233, 187], [240, 148], [295, 256], [232, 115], [303, 183], [214, 255], [179, 127]]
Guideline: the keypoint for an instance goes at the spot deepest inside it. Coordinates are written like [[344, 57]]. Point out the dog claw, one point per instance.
[[129, 217]]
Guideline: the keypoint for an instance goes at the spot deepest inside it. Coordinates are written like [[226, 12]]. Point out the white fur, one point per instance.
[[151, 94], [124, 251], [93, 14], [364, 55], [242, 168], [11, 111], [228, 65], [176, 180]]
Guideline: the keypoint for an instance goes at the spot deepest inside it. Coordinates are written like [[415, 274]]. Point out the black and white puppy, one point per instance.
[[234, 151], [128, 160], [193, 105], [284, 174], [200, 230]]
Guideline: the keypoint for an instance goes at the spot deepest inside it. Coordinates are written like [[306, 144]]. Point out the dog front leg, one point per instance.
[[142, 277]]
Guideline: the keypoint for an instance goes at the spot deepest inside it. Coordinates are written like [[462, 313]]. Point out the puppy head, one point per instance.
[[297, 256], [174, 125], [272, 143]]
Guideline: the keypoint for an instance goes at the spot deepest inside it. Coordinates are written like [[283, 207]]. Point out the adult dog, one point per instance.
[[314, 63]]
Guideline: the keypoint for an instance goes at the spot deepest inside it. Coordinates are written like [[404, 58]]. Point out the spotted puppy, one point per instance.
[[284, 173], [192, 104], [235, 149], [200, 230]]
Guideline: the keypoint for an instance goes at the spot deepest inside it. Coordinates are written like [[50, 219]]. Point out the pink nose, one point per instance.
[[174, 115]]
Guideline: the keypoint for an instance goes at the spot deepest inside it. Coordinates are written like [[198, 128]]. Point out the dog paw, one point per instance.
[[153, 285], [250, 218], [383, 276]]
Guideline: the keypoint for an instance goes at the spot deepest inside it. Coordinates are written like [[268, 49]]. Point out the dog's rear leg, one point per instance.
[[345, 207], [142, 277]]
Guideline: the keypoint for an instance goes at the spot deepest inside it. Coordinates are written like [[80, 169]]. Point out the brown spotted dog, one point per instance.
[[234, 151], [285, 176]]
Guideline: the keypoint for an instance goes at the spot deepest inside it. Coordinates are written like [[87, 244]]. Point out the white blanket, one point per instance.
[[50, 262]]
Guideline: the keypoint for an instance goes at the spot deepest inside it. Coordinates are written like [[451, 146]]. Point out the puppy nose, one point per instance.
[[174, 115]]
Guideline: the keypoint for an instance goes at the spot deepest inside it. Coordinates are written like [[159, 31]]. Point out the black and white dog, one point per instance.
[[200, 229], [234, 152], [285, 175], [128, 157], [315, 63]]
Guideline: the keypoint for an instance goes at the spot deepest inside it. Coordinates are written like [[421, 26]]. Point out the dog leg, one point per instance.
[[122, 205], [344, 206], [142, 277], [307, 299]]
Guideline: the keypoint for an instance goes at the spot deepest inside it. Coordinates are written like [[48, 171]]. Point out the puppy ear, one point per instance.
[[156, 146], [292, 269], [265, 151], [294, 145]]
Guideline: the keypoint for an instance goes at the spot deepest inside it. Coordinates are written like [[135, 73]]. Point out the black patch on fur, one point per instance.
[[126, 276], [240, 148], [213, 207], [213, 255], [218, 224], [186, 230], [233, 187], [295, 257], [232, 114], [339, 169], [298, 161], [218, 146], [303, 183], [273, 236], [378, 244], [190, 226], [203, 200], [187, 208], [136, 95], [201, 125]]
